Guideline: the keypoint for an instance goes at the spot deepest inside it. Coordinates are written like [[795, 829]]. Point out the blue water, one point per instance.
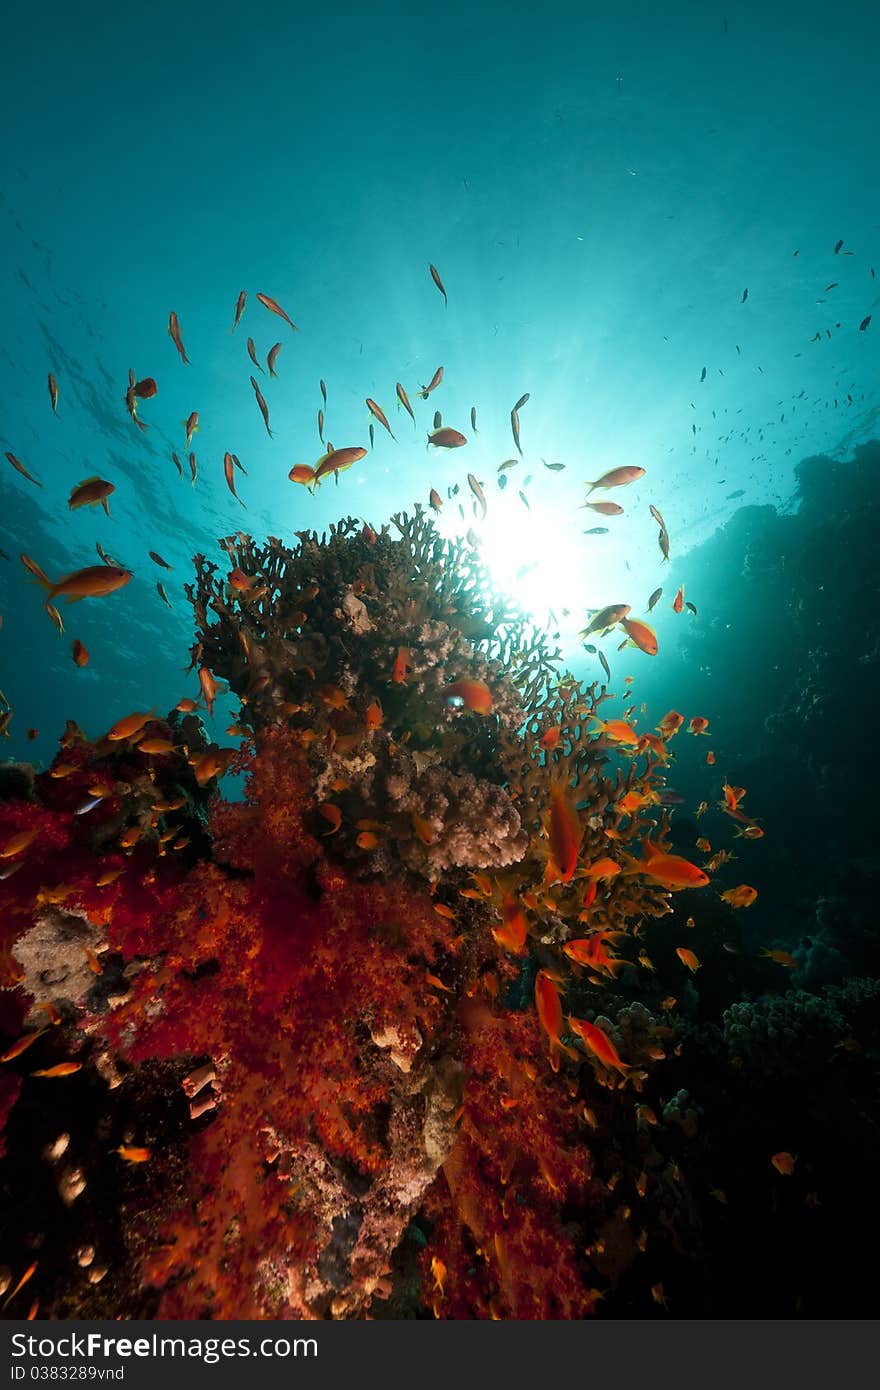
[[597, 191]]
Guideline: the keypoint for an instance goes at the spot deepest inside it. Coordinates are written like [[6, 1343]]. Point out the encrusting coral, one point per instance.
[[323, 993]]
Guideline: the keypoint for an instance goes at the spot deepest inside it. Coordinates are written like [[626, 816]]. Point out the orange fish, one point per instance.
[[133, 1155], [19, 466], [743, 896], [671, 870], [590, 951], [670, 724], [604, 508], [642, 634], [274, 307], [337, 460], [22, 1045], [301, 473], [264, 409], [512, 932], [550, 738], [599, 1043], [784, 1162], [678, 601], [423, 829], [565, 835], [53, 393], [432, 384], [174, 334], [91, 492], [780, 957], [332, 815], [550, 1017], [698, 725], [606, 618], [229, 474], [239, 310], [619, 730], [710, 758], [401, 662], [379, 413], [447, 438], [688, 958], [61, 1069], [404, 401], [618, 477], [373, 716], [191, 425], [209, 689], [272, 358], [435, 276], [80, 653], [92, 582], [474, 695]]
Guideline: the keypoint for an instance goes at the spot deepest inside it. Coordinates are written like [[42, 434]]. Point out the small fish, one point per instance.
[[524, 500], [605, 667], [176, 461], [604, 508], [22, 1045], [53, 393], [80, 653], [742, 896], [264, 409], [599, 1043], [404, 401], [321, 425], [438, 282], [550, 1016], [641, 634], [654, 599], [521, 402], [174, 335], [193, 470], [699, 725], [252, 353], [478, 493], [780, 957], [379, 414], [239, 310], [432, 384], [703, 375], [447, 438], [678, 601], [514, 425], [474, 695], [61, 1069], [274, 307], [864, 323], [229, 474], [323, 387], [337, 460], [745, 296], [157, 559], [209, 689], [557, 468], [474, 419], [597, 531], [435, 501], [302, 472], [688, 958], [191, 425], [19, 466], [95, 581], [838, 246], [272, 358], [618, 477], [732, 496], [132, 1154], [88, 805], [91, 492], [784, 1162]]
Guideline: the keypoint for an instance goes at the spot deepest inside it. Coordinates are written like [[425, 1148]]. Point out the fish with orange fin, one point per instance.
[[447, 438], [670, 870], [678, 601], [618, 477], [209, 689], [404, 401], [20, 468], [191, 425], [619, 731], [670, 724], [688, 958], [264, 409], [474, 695], [432, 384], [742, 896], [53, 393], [435, 276], [95, 581], [564, 833], [338, 460], [784, 1162], [239, 310], [379, 414], [302, 473], [275, 308], [590, 951], [641, 634], [272, 358], [174, 335], [229, 473], [550, 1017], [401, 665], [514, 926], [597, 1041]]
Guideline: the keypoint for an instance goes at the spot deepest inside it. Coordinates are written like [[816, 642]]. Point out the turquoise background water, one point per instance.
[[596, 190]]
